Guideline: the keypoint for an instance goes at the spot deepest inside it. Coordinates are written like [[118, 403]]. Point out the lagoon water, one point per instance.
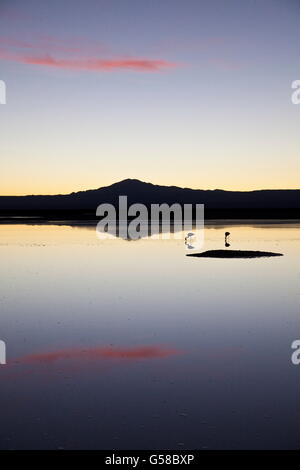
[[116, 344]]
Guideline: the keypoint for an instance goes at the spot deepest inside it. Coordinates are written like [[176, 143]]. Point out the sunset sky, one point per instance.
[[194, 93]]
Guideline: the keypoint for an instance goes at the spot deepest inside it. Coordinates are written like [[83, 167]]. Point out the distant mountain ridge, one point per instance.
[[147, 193]]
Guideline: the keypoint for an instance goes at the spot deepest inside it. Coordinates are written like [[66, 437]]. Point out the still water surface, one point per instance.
[[114, 344]]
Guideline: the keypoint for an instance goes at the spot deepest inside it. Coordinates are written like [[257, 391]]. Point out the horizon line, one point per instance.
[[153, 184]]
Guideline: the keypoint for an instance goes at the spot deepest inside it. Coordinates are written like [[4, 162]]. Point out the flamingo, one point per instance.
[[189, 235], [187, 240], [226, 239]]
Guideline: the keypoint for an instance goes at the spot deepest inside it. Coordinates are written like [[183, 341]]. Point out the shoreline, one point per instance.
[[29, 220]]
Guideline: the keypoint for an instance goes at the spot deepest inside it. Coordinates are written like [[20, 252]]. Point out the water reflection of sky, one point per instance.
[[133, 345]]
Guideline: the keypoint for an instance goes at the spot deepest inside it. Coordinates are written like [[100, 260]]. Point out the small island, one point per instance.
[[234, 254]]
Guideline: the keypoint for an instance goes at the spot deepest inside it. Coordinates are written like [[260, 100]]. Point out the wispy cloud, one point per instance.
[[102, 353], [47, 52], [94, 64]]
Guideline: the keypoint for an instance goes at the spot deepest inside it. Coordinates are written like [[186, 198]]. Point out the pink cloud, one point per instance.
[[102, 353], [80, 57], [94, 64]]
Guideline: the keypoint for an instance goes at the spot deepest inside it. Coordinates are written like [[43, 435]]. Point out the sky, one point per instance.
[[193, 93]]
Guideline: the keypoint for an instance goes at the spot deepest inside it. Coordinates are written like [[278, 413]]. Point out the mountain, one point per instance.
[[218, 203]]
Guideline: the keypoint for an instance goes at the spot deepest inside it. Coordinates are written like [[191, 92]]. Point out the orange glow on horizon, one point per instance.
[[54, 189]]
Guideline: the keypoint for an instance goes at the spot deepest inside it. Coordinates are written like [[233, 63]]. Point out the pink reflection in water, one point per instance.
[[105, 352]]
